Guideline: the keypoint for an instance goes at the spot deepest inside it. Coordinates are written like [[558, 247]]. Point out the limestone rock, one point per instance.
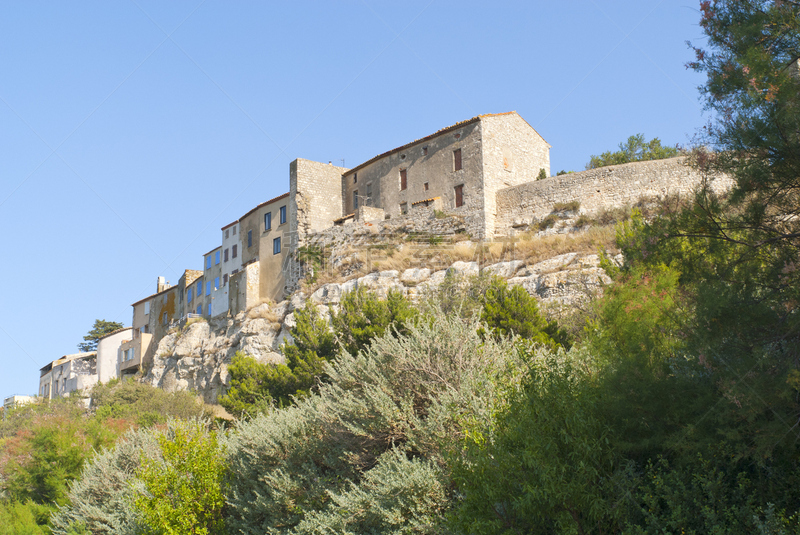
[[504, 269], [414, 276]]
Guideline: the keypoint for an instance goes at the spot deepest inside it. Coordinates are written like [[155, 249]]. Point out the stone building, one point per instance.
[[70, 373], [109, 354], [483, 170]]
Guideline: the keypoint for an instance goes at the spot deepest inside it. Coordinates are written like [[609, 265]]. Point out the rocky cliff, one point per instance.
[[197, 355]]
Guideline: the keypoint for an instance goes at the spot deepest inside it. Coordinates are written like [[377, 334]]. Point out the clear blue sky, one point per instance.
[[133, 130]]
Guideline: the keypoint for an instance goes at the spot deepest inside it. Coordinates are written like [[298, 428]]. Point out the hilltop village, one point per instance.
[[485, 171]]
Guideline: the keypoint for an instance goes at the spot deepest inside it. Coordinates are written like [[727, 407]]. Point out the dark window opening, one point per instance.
[[249, 238], [425, 186], [355, 200], [457, 159], [268, 221], [403, 179], [459, 195]]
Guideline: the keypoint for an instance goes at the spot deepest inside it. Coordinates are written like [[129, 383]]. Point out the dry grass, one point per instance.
[[265, 312], [526, 247]]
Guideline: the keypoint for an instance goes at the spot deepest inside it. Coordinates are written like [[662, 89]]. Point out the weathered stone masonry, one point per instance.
[[598, 189]]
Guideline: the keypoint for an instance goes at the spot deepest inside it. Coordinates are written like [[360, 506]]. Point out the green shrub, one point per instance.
[[548, 222], [102, 498], [542, 174], [510, 310], [365, 453], [181, 492], [362, 316], [144, 404]]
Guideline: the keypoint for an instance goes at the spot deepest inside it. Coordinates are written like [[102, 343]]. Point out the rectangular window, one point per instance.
[[355, 178], [459, 195], [225, 279], [227, 233], [233, 251], [234, 230], [146, 308], [226, 255], [425, 186], [208, 262], [208, 288], [199, 310], [424, 151], [276, 246], [283, 215], [355, 200], [457, 160], [368, 202], [403, 179], [216, 283], [404, 208], [209, 309], [199, 291], [249, 238], [164, 319], [268, 221], [189, 295], [216, 258], [146, 328]]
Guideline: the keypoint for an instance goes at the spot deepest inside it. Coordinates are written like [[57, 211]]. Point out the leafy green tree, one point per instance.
[[182, 492], [635, 149], [99, 330]]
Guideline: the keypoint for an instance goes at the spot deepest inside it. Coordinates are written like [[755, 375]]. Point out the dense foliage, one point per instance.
[[635, 149]]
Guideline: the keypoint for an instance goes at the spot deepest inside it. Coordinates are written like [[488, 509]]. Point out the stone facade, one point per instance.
[[464, 165], [315, 198], [597, 189]]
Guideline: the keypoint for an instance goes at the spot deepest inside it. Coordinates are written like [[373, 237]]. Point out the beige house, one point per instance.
[[70, 373], [109, 353]]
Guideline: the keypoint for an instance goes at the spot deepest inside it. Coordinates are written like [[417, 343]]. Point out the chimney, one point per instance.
[[161, 285]]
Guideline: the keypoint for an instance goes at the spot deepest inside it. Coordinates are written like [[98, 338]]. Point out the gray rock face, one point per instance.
[[197, 356]]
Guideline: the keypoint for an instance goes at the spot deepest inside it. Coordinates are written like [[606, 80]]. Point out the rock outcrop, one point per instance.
[[196, 356]]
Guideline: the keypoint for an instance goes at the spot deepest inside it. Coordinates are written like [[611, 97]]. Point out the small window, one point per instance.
[[355, 200], [216, 283], [268, 221], [225, 279], [146, 308], [189, 295], [249, 238], [209, 309], [199, 288], [164, 318], [368, 200], [146, 328], [208, 288], [233, 251], [424, 151], [227, 233], [355, 178], [216, 258], [208, 262], [199, 310], [403, 179], [425, 186], [404, 208], [459, 195], [226, 255], [457, 160], [276, 246], [234, 230], [283, 215]]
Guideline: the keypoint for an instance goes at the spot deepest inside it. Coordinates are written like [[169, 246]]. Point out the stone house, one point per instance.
[[109, 353], [70, 373]]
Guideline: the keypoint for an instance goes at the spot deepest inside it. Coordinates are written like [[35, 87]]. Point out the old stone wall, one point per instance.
[[430, 169], [513, 154], [245, 288], [598, 189], [315, 197]]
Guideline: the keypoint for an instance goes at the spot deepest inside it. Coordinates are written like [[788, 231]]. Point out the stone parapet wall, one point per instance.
[[315, 197], [599, 189]]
